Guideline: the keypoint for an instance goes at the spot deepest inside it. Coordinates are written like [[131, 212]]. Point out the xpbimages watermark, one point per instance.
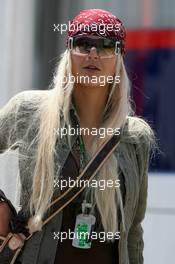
[[101, 184], [101, 236], [72, 27], [102, 80], [102, 132]]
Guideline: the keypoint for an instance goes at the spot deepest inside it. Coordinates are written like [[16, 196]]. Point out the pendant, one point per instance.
[[84, 226]]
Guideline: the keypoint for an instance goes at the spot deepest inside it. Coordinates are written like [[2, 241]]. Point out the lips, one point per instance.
[[91, 67]]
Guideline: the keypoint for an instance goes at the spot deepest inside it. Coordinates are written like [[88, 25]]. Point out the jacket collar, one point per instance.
[[127, 135]]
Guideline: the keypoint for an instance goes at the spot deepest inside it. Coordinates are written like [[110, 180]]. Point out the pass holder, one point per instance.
[[84, 226]]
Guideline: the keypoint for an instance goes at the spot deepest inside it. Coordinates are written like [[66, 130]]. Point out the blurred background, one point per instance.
[[30, 49]]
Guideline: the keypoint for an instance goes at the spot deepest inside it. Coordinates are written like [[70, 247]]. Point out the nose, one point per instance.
[[93, 53]]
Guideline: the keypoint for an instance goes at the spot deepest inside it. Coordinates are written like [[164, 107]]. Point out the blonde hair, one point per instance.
[[118, 107]]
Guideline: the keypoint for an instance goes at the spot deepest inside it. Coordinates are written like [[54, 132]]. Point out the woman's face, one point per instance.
[[92, 68]]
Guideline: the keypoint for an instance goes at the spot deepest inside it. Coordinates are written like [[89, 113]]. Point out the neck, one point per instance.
[[90, 103]]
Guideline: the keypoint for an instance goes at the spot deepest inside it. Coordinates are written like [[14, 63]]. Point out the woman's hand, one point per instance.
[[5, 215]]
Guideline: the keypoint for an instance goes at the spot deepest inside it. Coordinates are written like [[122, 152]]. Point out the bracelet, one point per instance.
[[2, 200], [2, 196]]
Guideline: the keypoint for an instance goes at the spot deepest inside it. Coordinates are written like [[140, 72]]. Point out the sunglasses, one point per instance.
[[106, 48]]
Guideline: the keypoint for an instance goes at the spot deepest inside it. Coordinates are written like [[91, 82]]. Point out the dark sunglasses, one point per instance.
[[105, 47]]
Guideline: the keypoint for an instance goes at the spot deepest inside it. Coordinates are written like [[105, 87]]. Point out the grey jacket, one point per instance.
[[133, 158]]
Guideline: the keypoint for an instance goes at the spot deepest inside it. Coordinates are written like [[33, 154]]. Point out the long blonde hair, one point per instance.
[[49, 111]]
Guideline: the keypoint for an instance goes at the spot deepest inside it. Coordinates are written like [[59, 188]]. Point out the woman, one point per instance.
[[32, 121]]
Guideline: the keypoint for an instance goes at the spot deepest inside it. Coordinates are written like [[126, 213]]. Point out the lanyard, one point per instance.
[[83, 154]]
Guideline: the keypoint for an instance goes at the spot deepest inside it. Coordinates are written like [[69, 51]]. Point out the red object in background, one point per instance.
[[150, 39], [141, 40]]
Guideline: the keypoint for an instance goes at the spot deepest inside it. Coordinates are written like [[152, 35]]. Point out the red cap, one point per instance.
[[98, 22]]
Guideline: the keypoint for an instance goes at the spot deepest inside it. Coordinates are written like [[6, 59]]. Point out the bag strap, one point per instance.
[[87, 174]]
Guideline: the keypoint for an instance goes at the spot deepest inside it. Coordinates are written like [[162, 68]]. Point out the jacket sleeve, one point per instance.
[[8, 123], [135, 235]]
